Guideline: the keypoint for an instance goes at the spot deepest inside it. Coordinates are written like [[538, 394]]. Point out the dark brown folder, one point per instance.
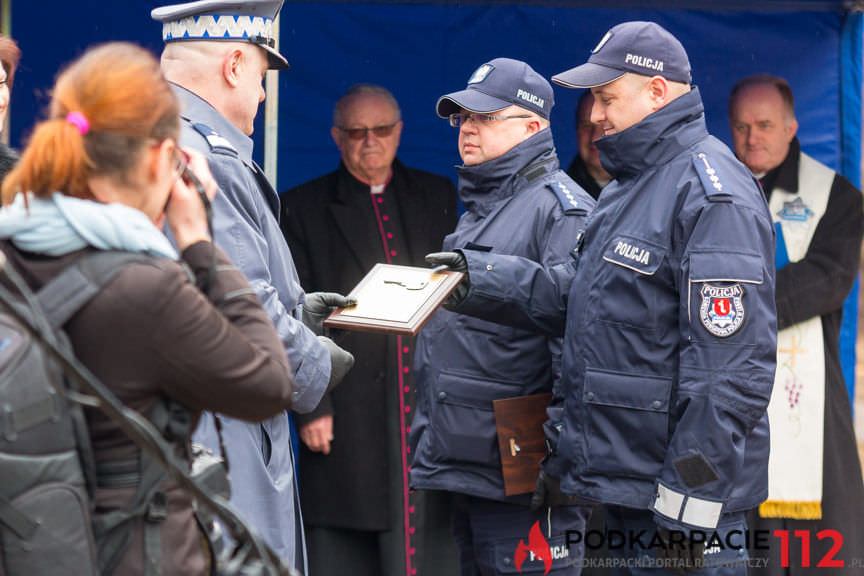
[[519, 422]]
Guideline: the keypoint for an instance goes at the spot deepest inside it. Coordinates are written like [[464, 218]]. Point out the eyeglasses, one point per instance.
[[360, 133], [181, 161], [457, 119]]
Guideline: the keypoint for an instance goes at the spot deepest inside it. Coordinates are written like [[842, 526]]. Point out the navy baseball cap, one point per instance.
[[498, 84], [644, 48]]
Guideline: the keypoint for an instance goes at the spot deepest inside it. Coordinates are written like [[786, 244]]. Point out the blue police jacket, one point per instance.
[[519, 203], [670, 328], [245, 226]]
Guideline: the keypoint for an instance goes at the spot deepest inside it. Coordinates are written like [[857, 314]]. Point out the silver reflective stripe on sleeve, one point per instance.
[[668, 502], [697, 512], [702, 513]]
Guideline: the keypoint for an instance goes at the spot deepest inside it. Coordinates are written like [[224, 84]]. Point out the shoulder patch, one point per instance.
[[722, 309], [712, 184], [218, 144], [569, 203]]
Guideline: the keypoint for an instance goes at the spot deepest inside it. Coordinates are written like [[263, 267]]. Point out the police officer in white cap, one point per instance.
[[217, 53]]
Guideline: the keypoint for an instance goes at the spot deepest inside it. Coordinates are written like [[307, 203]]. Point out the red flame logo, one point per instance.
[[536, 544]]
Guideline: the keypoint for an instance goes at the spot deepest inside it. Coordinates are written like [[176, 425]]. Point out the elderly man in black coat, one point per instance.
[[359, 514], [815, 493]]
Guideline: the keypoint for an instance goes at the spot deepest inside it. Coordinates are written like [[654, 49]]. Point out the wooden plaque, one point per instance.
[[395, 299], [521, 440]]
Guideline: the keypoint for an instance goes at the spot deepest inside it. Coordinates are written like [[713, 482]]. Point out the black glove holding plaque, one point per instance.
[[453, 262], [317, 307]]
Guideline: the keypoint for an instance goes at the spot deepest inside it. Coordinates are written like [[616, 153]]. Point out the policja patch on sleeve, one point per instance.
[[722, 309]]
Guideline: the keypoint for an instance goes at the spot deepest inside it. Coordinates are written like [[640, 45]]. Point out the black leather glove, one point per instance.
[[547, 493], [318, 306], [341, 362], [684, 555], [454, 262]]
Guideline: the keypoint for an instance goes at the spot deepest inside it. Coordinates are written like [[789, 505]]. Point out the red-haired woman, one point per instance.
[[103, 173], [9, 56]]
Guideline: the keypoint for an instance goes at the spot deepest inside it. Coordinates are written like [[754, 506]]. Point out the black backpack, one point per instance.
[[46, 463], [47, 470]]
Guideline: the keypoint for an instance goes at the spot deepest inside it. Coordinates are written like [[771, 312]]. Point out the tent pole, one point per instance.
[[850, 163], [6, 30], [271, 116]]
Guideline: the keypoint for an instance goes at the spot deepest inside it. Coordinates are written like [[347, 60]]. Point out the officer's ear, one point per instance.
[[658, 92], [232, 64], [533, 126]]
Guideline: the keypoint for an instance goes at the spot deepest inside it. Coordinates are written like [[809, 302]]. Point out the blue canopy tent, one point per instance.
[[422, 49]]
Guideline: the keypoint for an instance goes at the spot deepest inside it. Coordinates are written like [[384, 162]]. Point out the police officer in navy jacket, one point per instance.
[[518, 202], [667, 311]]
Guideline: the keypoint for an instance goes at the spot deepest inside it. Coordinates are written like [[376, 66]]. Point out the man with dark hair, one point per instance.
[[814, 475], [666, 384], [586, 169], [360, 516]]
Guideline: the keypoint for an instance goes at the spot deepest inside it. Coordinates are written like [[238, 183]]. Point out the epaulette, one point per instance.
[[217, 143], [711, 183], [569, 203]]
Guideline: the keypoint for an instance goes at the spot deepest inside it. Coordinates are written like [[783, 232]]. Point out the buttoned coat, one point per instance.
[[335, 242], [245, 226]]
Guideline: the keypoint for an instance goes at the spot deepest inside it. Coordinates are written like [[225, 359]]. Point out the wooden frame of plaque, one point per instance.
[[521, 440], [395, 299]]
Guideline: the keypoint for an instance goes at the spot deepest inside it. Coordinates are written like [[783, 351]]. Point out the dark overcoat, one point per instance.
[[335, 240]]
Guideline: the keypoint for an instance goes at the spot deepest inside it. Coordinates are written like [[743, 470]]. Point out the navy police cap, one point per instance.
[[236, 20], [498, 84], [644, 48]]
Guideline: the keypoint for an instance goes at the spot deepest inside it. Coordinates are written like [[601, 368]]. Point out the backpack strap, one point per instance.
[[16, 521], [113, 530], [73, 288]]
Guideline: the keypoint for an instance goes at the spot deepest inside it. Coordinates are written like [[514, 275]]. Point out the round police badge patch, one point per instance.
[[722, 309]]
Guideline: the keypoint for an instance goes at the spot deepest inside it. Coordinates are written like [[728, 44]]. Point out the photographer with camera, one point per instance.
[[103, 173]]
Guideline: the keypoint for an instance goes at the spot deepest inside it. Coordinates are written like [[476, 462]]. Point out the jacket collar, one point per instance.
[[195, 109], [483, 185], [785, 175], [349, 188], [656, 139], [578, 171], [361, 233]]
